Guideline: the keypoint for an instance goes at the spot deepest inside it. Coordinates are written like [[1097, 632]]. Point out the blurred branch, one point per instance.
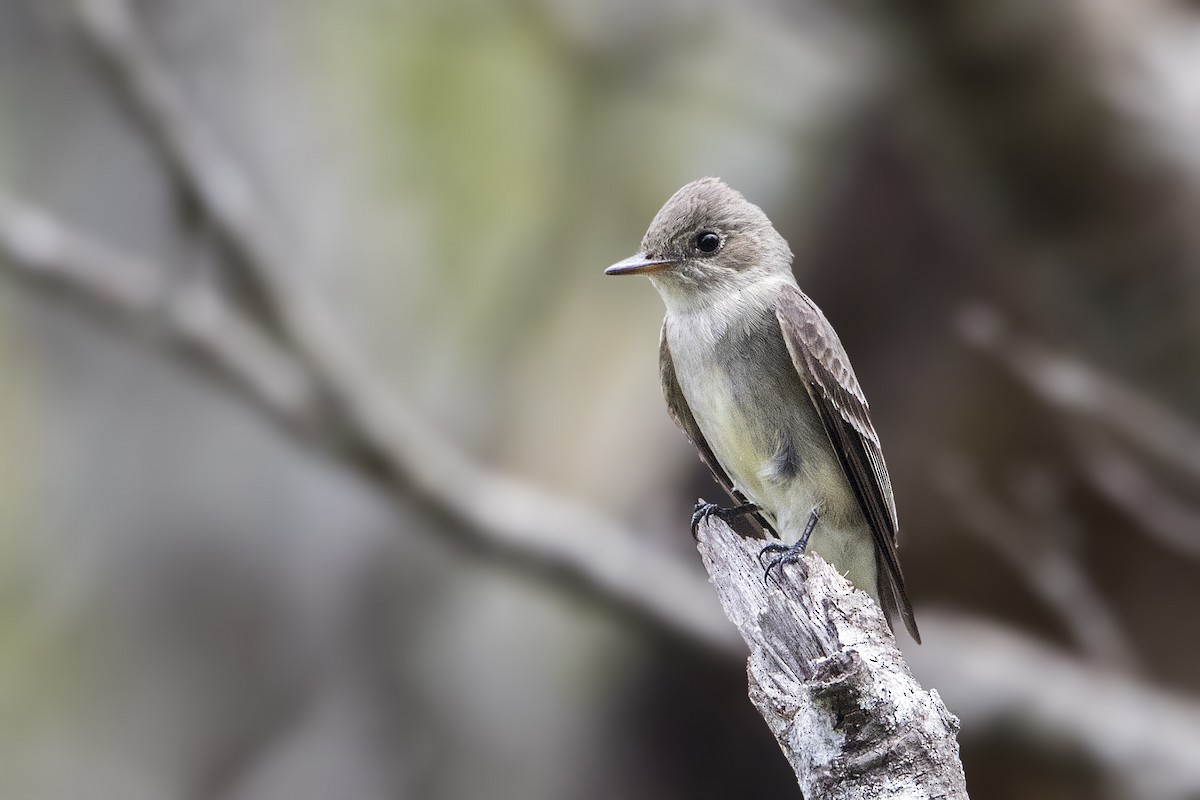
[[1044, 564], [1070, 140], [356, 418], [828, 679], [1072, 387], [490, 513], [1128, 485], [122, 289], [209, 179], [992, 678], [1077, 390], [274, 343], [999, 680]]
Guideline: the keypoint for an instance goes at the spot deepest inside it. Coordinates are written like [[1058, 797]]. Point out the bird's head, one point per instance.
[[707, 239]]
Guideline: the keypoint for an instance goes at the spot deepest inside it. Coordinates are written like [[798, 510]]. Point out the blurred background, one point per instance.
[[994, 203]]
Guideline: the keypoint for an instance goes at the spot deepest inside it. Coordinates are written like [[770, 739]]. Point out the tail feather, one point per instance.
[[893, 599]]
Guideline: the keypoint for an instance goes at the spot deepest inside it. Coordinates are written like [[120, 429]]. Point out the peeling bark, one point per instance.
[[827, 677]]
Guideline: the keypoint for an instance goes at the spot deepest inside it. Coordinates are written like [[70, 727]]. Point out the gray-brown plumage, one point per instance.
[[758, 380]]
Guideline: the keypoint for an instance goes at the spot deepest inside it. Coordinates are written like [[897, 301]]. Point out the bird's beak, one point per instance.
[[639, 264]]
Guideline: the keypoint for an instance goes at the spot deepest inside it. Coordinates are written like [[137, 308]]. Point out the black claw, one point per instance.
[[704, 510], [773, 549], [780, 556], [701, 512]]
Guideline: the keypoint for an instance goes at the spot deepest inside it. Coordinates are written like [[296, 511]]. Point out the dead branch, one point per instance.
[[828, 679], [992, 678], [274, 343]]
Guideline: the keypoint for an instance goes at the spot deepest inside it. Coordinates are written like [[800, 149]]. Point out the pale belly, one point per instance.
[[753, 448], [756, 416]]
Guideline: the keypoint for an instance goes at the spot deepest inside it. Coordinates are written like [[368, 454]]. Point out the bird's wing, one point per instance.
[[824, 368], [678, 408]]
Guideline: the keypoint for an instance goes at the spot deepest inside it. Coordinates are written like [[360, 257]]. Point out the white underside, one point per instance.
[[749, 455]]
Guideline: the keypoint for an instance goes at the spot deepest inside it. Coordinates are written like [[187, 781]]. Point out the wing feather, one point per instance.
[[819, 357]]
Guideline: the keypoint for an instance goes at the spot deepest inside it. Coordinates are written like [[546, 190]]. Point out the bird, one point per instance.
[[759, 382]]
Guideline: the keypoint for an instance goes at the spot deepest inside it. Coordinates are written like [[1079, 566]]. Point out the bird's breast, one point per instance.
[[749, 402]]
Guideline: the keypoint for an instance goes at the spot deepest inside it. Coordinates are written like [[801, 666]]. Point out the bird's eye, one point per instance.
[[707, 242]]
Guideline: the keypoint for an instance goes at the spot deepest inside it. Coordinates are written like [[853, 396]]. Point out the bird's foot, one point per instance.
[[704, 510], [775, 556]]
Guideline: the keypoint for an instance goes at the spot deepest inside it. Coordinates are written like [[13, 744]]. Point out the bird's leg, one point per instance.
[[777, 554], [704, 510]]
